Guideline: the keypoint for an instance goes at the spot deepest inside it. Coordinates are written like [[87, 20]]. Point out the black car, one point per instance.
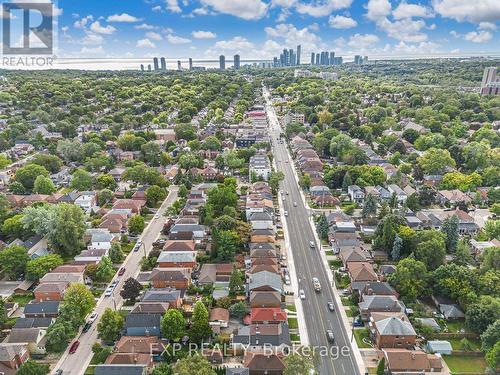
[[58, 372], [86, 327], [329, 335]]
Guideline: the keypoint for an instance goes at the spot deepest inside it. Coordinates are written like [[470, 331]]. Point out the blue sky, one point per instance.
[[261, 28]]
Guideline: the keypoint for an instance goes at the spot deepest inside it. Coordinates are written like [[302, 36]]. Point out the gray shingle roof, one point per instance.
[[266, 278], [119, 369], [395, 327]]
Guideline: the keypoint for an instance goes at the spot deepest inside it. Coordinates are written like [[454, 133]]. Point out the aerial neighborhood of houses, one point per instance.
[[261, 213]]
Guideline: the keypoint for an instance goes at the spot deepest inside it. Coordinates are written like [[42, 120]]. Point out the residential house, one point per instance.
[[262, 236], [263, 364], [184, 259], [452, 197], [140, 344], [373, 303], [356, 194], [265, 299], [265, 282], [143, 324], [178, 278], [50, 291], [106, 369], [86, 200], [257, 335], [393, 332], [34, 338], [361, 271], [211, 273], [132, 204], [135, 358], [261, 220], [165, 135], [396, 190], [44, 309], [172, 245], [401, 361], [267, 315], [219, 318], [12, 356], [259, 167]]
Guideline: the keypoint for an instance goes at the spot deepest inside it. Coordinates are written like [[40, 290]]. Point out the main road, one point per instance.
[[76, 364], [308, 264]]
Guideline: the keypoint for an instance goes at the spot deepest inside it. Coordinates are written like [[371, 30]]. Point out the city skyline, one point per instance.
[[258, 29]]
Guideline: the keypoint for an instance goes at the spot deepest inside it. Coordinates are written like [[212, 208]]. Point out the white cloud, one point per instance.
[[81, 23], [237, 44], [362, 41], [96, 27], [173, 6], [468, 10], [454, 34], [378, 9], [174, 39], [341, 22], [92, 39], [283, 3], [145, 26], [478, 36], [153, 35], [322, 8], [124, 17], [293, 36], [422, 48], [156, 8], [200, 34], [405, 30], [405, 10], [487, 26], [200, 11], [145, 43], [246, 9]]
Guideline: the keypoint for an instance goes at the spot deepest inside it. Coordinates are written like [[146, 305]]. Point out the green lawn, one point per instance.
[[346, 301], [337, 263], [21, 299], [460, 364], [361, 334], [293, 323], [329, 253], [294, 337], [455, 344], [127, 248], [291, 308], [456, 326]]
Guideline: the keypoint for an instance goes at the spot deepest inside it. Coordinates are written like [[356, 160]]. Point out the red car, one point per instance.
[[74, 347], [121, 272]]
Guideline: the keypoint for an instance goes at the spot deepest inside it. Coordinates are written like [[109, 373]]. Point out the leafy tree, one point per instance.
[[436, 161], [296, 364], [322, 227], [101, 353], [396, 248], [81, 180], [431, 249], [162, 369], [106, 181], [136, 224], [454, 281], [221, 196], [369, 206], [381, 367], [274, 180], [77, 303], [3, 312], [211, 143], [492, 229], [189, 160], [27, 175], [155, 194], [151, 152], [386, 232], [225, 243], [30, 367], [173, 325], [463, 255], [185, 131], [235, 282], [493, 357], [110, 325], [13, 228], [490, 336], [194, 365], [4, 161], [490, 259], [50, 162], [43, 185], [105, 270], [410, 279], [481, 314], [200, 328], [58, 335], [104, 196], [131, 289], [239, 309], [450, 230], [116, 253], [67, 229], [13, 261], [38, 267]]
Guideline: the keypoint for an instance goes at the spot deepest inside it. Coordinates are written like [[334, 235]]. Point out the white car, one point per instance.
[[157, 216], [287, 280], [93, 317], [285, 213], [108, 292], [302, 295]]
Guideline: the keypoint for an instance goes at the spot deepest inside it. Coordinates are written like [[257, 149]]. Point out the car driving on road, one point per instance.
[[316, 284], [302, 295], [330, 336], [331, 306], [311, 244]]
